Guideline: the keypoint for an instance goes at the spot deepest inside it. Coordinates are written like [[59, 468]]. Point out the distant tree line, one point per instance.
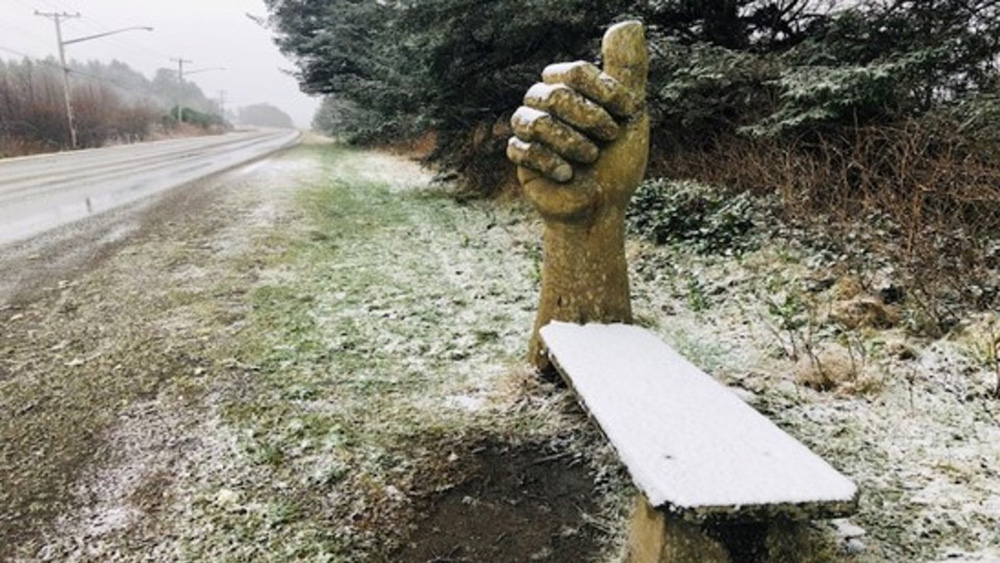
[[264, 115], [111, 103]]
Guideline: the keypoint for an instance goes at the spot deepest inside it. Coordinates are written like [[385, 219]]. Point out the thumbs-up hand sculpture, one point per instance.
[[581, 144]]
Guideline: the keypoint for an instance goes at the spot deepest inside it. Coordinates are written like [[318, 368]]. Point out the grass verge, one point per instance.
[[382, 354]]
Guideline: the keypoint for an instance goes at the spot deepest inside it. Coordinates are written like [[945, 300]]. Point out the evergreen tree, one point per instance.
[[719, 67]]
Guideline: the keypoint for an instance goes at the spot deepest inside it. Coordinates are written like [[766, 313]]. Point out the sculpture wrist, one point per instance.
[[584, 275]]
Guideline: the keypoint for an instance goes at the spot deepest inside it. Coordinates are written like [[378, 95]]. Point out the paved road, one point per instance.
[[39, 193]]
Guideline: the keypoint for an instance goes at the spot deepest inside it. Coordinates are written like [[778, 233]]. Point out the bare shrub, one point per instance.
[[926, 194], [479, 158]]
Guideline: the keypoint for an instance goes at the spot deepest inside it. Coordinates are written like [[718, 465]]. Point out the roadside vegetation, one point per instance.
[[875, 121], [112, 104], [825, 172], [323, 358], [319, 359]]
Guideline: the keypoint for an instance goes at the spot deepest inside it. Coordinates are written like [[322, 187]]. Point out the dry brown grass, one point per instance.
[[11, 147], [419, 147], [928, 195]]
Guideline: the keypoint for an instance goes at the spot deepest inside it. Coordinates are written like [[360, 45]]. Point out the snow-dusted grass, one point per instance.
[[288, 369], [290, 366], [913, 422], [386, 335]]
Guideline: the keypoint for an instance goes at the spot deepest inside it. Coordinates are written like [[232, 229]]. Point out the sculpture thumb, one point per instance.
[[625, 56]]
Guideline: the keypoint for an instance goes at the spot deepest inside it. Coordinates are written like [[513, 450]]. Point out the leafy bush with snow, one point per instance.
[[712, 220]]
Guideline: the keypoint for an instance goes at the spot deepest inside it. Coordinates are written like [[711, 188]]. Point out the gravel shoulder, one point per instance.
[[104, 358], [302, 359]]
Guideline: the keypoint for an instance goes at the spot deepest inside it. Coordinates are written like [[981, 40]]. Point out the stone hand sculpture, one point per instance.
[[581, 144]]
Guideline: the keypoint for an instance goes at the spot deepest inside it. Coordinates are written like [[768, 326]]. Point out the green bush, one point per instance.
[[192, 117], [711, 220]]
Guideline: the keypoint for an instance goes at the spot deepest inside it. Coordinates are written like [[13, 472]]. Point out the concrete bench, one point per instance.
[[719, 482]]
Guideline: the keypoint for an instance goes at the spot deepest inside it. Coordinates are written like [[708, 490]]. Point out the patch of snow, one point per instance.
[[525, 116], [688, 442], [465, 402], [544, 92]]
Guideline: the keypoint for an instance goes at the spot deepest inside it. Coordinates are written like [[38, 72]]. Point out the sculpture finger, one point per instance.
[[599, 86], [532, 125], [626, 58], [536, 157], [568, 105]]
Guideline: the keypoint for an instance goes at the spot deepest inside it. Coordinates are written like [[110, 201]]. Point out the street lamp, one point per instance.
[[197, 70], [106, 33], [57, 18]]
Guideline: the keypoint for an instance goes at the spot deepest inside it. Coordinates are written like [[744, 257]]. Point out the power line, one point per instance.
[[25, 4], [147, 54], [150, 55], [17, 30], [88, 22], [97, 24], [28, 56], [55, 5], [20, 54]]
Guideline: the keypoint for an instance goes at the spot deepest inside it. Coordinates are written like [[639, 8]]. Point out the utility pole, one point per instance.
[[180, 89], [222, 105], [57, 17]]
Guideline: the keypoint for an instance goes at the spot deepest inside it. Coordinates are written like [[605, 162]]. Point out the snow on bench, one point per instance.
[[693, 447]]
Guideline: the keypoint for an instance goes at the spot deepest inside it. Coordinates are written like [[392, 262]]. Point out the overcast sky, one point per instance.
[[211, 33]]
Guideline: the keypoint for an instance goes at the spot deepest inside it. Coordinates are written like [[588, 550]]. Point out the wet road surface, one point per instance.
[[39, 193]]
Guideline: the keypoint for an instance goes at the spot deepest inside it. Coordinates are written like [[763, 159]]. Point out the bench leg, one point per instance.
[[656, 537], [792, 542]]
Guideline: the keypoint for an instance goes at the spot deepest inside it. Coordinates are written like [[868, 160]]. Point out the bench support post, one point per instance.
[[655, 537], [658, 537]]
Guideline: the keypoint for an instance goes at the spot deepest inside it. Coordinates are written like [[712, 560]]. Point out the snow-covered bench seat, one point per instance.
[[719, 481]]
